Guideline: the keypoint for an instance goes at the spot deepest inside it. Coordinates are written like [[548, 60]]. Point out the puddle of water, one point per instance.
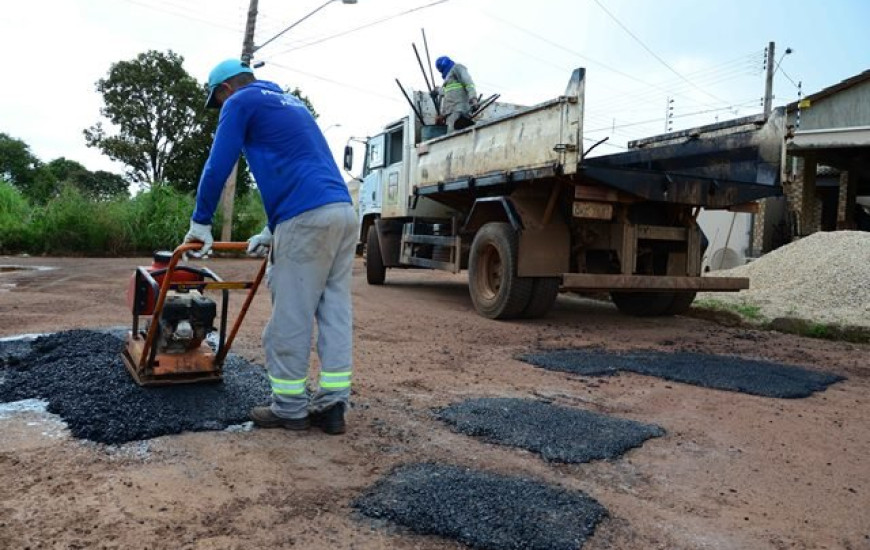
[[243, 427], [25, 405], [32, 414], [10, 268], [23, 337]]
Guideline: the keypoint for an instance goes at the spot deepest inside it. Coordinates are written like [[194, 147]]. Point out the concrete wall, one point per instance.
[[844, 109]]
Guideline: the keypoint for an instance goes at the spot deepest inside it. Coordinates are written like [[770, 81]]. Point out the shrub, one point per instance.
[[159, 218], [249, 216], [15, 215], [72, 224]]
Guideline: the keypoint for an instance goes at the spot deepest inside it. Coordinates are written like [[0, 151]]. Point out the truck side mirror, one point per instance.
[[348, 158]]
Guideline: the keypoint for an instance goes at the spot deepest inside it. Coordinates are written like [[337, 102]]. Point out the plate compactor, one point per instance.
[[172, 347]]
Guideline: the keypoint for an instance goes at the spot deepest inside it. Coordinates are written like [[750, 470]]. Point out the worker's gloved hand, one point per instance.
[[259, 244], [473, 103], [199, 233]]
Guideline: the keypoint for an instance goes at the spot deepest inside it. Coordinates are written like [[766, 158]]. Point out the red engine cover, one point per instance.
[[147, 296]]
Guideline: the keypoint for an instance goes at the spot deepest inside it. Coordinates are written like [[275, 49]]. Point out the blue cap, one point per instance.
[[221, 73], [444, 64]]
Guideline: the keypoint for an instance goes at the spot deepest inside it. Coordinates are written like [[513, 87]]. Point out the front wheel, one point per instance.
[[376, 273], [496, 290]]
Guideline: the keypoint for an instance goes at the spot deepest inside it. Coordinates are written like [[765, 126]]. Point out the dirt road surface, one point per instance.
[[733, 471]]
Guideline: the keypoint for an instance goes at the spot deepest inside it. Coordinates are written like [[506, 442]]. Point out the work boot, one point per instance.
[[263, 417], [330, 419]]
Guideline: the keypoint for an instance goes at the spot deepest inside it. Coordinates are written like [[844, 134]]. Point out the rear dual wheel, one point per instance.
[[496, 290]]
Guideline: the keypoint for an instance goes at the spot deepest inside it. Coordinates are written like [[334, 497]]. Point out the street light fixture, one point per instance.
[[257, 48]]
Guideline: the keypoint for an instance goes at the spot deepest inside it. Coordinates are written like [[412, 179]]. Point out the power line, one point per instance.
[[587, 58], [659, 119], [710, 80], [652, 53], [355, 29], [785, 74], [335, 82], [182, 14]]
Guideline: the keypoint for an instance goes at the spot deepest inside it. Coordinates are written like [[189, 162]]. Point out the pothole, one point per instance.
[[482, 509], [81, 376], [720, 372]]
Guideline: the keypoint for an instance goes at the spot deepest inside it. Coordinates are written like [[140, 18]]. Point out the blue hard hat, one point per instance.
[[444, 64], [222, 72]]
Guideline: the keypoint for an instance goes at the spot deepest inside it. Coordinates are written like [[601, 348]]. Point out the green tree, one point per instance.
[[17, 164], [304, 98], [102, 185], [159, 113], [99, 185], [66, 170]]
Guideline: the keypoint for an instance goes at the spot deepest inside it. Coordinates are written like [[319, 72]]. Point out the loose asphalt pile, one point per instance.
[[710, 371], [81, 376], [558, 434], [481, 509]]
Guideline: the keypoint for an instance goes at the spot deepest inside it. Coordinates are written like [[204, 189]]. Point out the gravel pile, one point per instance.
[[81, 375], [483, 510], [710, 371], [558, 434], [824, 277]]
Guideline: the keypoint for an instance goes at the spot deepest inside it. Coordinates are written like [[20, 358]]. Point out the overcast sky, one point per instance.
[[706, 55]]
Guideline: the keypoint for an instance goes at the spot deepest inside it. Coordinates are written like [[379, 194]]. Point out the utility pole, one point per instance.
[[248, 43], [229, 194], [768, 83], [669, 114]]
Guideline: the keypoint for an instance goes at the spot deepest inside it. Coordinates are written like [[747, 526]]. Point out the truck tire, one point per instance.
[[544, 293], [376, 273], [643, 304], [681, 303], [496, 290]]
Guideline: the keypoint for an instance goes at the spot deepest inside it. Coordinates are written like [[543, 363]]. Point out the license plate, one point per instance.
[[593, 210]]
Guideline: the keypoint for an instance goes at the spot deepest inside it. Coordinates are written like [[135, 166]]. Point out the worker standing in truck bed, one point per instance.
[[458, 95]]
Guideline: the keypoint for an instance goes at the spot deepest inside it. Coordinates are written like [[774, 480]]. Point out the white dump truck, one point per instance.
[[515, 201]]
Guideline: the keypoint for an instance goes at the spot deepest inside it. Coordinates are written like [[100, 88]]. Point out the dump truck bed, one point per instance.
[[714, 166]]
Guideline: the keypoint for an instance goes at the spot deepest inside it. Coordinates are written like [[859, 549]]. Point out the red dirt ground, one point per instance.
[[733, 472]]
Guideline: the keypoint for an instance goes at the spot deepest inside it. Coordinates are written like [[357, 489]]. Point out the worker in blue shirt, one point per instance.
[[310, 238]]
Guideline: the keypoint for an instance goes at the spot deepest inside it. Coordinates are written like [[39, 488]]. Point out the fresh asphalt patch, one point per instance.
[[558, 434], [481, 509], [720, 372], [81, 376]]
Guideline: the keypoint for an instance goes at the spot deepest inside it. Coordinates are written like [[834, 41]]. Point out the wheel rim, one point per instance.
[[490, 274]]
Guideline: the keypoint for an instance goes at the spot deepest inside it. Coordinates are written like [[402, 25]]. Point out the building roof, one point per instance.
[[831, 90]]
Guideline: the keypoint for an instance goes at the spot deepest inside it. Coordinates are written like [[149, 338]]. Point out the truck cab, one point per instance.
[[383, 170]]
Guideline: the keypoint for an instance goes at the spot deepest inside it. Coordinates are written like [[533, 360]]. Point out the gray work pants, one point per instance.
[[309, 277]]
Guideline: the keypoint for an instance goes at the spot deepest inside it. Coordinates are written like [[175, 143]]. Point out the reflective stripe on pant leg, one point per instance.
[[335, 318], [335, 381], [287, 387]]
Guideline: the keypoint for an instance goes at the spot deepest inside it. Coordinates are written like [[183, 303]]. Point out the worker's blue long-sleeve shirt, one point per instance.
[[287, 153]]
